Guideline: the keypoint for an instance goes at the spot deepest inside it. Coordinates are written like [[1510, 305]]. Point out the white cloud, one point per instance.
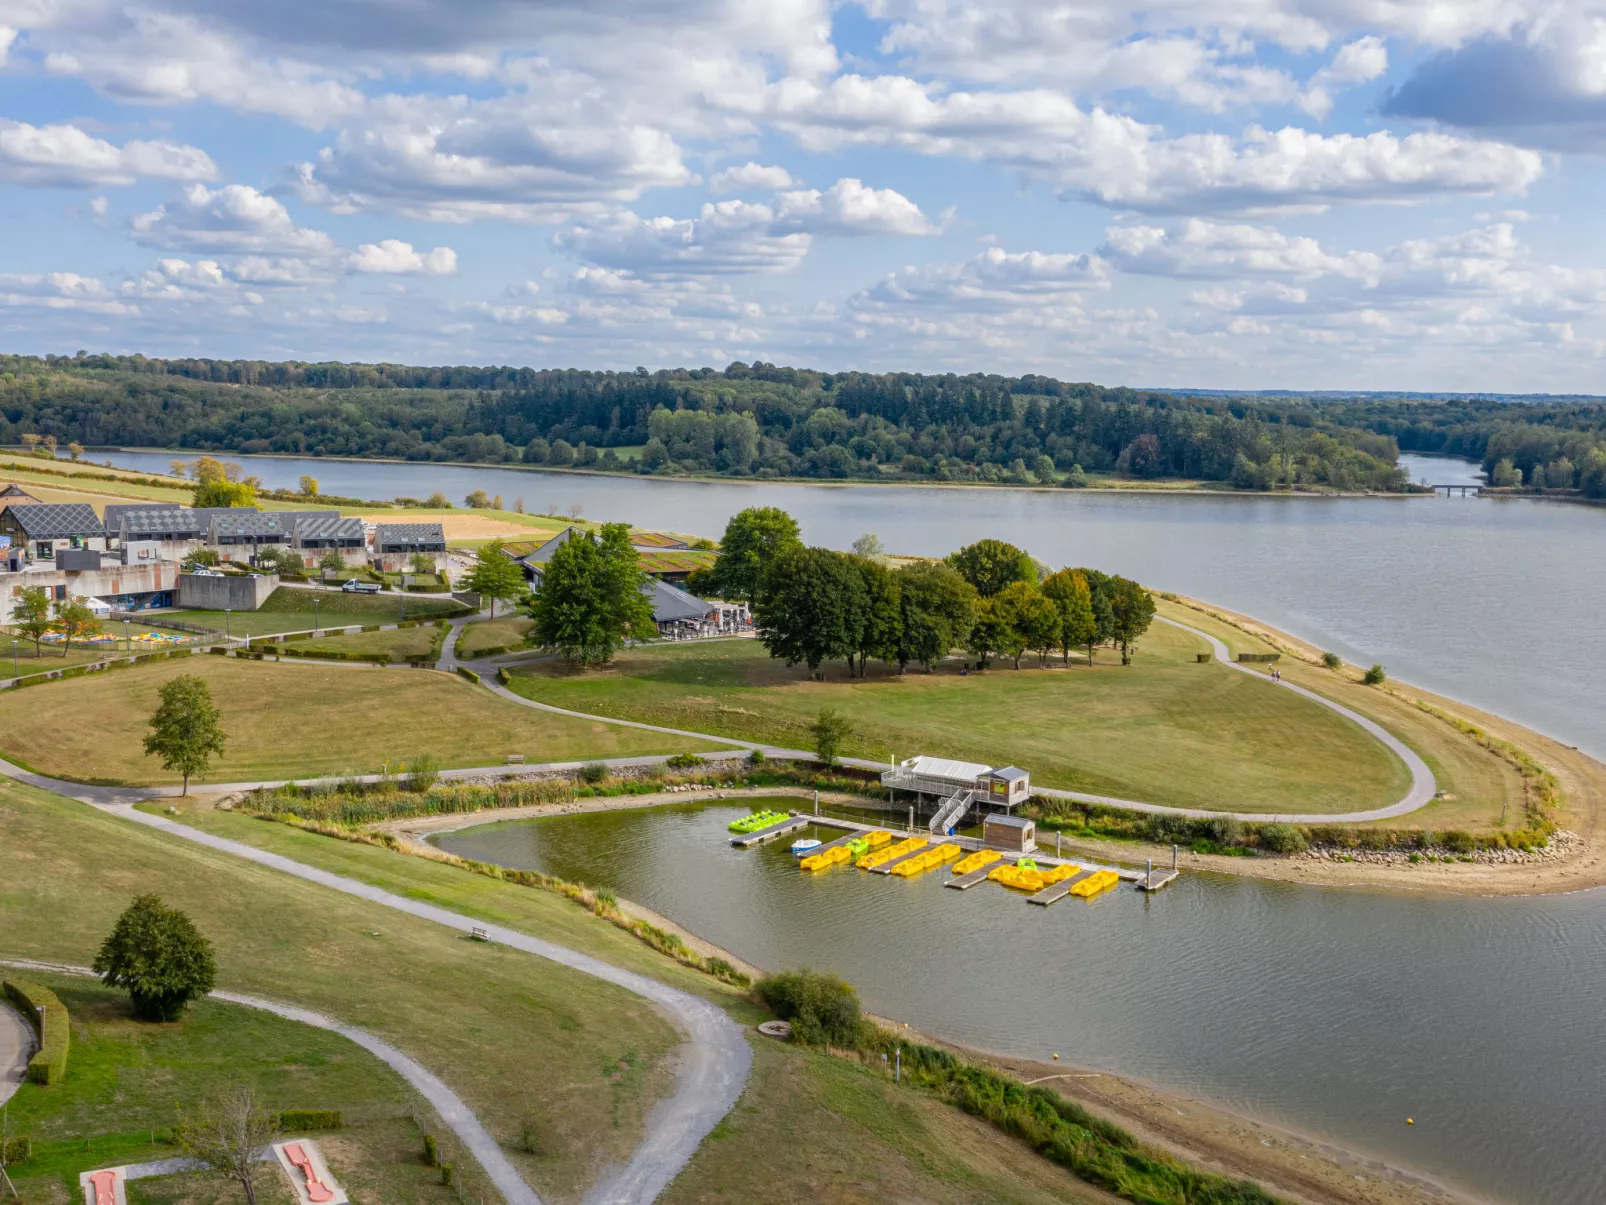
[[734, 236], [66, 156], [99, 206], [61, 291], [1356, 62], [995, 279], [8, 35], [234, 218], [1198, 249], [753, 176], [398, 258]]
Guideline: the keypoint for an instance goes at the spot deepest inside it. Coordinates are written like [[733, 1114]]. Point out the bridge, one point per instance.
[[1463, 488]]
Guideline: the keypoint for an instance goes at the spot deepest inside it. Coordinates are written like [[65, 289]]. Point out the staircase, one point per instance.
[[950, 811]]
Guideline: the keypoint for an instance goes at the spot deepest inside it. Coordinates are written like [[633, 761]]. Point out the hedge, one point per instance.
[[503, 676], [469, 674], [49, 1019], [17, 1150], [310, 1119]]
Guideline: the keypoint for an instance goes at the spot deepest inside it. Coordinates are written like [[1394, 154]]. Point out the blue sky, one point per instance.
[[1255, 194]]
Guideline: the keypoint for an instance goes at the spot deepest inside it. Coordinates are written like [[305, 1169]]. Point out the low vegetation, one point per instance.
[[488, 637]]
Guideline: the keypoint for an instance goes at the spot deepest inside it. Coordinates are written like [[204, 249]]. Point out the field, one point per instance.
[[291, 610], [398, 644], [1163, 730], [492, 633], [299, 721], [50, 656]]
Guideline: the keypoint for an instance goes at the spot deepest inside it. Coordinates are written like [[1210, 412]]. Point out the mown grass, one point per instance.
[[299, 721], [397, 644], [492, 633], [1164, 729], [517, 1037]]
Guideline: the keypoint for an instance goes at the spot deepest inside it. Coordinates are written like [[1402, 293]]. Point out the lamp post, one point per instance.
[[227, 635], [15, 672], [128, 641], [315, 615]]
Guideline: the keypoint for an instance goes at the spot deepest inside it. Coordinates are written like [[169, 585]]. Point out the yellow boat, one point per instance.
[[1020, 878], [921, 862], [975, 861], [878, 837], [827, 858], [1096, 882], [871, 860]]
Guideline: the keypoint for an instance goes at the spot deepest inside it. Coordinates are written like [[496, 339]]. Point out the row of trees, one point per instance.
[[35, 615], [811, 605]]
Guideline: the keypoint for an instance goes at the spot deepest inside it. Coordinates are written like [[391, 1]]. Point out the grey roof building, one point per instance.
[[409, 537], [55, 520], [241, 526], [152, 523], [670, 604], [320, 530]]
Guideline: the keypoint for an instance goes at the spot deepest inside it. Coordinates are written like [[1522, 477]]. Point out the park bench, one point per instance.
[[515, 759]]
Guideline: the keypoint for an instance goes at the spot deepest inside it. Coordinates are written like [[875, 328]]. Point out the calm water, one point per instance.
[[1336, 1012], [1491, 601]]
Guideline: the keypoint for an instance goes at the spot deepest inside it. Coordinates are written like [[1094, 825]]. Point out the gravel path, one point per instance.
[[16, 1048], [445, 1102], [713, 1062]]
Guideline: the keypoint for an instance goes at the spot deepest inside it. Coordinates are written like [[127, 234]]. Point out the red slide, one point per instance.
[[317, 1190], [105, 1187]]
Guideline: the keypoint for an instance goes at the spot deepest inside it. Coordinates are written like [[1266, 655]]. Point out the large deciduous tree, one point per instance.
[[938, 607], [990, 565], [219, 492], [76, 621], [1033, 620], [810, 606], [30, 615], [495, 575], [753, 539], [187, 729], [158, 955], [1132, 610], [1099, 586], [591, 597], [1068, 591], [882, 627]]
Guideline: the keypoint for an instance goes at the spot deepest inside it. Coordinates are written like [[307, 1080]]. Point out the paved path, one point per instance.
[[445, 1102], [16, 1048], [713, 1062]]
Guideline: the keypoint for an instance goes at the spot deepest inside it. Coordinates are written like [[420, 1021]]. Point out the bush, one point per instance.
[[684, 761], [49, 1018], [823, 1010], [432, 1153], [1282, 838], [157, 953], [16, 1150], [1227, 830], [310, 1119], [469, 674], [1332, 660], [1374, 676], [593, 772], [607, 897], [424, 773], [1458, 842], [756, 757]]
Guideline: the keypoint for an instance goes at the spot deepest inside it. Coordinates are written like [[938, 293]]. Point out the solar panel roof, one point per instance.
[[57, 520]]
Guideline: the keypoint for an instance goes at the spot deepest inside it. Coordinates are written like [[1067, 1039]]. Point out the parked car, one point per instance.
[[355, 587], [203, 572]]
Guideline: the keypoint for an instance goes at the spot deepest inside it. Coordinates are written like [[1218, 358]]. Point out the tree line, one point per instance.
[[745, 421], [813, 605]]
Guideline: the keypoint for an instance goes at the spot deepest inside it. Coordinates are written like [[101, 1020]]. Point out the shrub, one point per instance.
[[310, 1119], [432, 1153], [607, 896], [1459, 842], [1374, 676], [756, 757], [1227, 830], [49, 1018], [15, 1150], [593, 772], [1332, 660], [823, 1009], [469, 674], [1282, 838], [157, 953], [684, 761], [424, 773]]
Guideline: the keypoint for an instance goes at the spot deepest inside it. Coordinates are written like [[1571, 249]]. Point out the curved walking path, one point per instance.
[[1423, 785], [442, 1099], [713, 1062], [16, 1048]]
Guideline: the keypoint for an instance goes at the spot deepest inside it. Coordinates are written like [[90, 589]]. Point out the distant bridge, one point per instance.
[[1463, 488]]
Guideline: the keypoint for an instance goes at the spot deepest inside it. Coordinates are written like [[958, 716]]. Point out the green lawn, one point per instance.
[[299, 721], [267, 622], [295, 600], [492, 633], [51, 656], [517, 1037], [1163, 730], [398, 644]]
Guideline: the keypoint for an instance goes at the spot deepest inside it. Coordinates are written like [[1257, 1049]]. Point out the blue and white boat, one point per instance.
[[804, 846]]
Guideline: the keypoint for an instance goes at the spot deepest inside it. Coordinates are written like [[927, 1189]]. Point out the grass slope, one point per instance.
[[492, 633], [515, 1036], [1164, 729], [299, 721], [398, 644]]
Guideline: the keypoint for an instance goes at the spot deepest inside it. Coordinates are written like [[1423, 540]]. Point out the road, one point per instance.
[[16, 1048]]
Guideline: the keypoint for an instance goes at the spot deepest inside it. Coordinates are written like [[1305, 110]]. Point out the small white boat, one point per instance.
[[806, 845]]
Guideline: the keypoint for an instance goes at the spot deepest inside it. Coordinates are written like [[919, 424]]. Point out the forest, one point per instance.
[[760, 420]]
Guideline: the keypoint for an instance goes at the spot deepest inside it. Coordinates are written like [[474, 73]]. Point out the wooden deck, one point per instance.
[[964, 882], [1156, 879], [886, 867], [789, 825], [1058, 891]]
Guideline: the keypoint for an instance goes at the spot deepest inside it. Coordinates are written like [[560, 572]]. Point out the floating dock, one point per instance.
[[790, 825], [888, 866], [1055, 892], [1156, 879]]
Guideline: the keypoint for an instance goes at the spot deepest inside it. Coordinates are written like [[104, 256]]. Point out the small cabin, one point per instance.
[[1012, 834], [1007, 786]]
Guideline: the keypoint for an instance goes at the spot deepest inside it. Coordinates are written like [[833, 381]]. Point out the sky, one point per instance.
[[1237, 194]]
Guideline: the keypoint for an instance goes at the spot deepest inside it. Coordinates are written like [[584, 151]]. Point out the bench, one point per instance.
[[515, 759]]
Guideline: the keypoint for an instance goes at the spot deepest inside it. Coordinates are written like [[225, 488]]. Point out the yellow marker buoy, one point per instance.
[[1056, 1058], [1410, 1121]]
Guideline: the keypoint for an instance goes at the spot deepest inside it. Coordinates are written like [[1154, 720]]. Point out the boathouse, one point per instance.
[[1012, 834], [959, 786]]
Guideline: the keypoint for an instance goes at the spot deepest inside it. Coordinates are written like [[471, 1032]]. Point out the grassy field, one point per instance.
[[371, 608], [299, 721], [398, 644], [492, 633], [518, 1038], [126, 1077], [1163, 730], [50, 656]]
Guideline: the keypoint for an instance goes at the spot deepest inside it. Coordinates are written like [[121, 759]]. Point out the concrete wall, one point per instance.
[[107, 582], [227, 593]]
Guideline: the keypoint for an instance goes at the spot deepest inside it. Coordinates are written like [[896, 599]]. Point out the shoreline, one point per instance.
[[1298, 1166]]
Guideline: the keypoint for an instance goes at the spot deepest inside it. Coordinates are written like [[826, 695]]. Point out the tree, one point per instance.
[[990, 565], [76, 621], [225, 493], [421, 563], [753, 539], [1034, 620], [159, 956], [879, 633], [309, 486], [227, 1135], [989, 632], [30, 440], [75, 450], [187, 730], [495, 575], [1132, 610], [208, 469], [1069, 593], [1375, 676], [331, 560], [562, 453], [437, 501], [869, 546], [478, 500], [829, 729], [1505, 474], [177, 468], [937, 609], [1099, 586], [30, 615], [591, 598], [810, 606]]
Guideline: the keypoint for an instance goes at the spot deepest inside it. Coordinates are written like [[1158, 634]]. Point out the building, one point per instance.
[[663, 557], [15, 495], [40, 529], [395, 545], [120, 587], [316, 533], [958, 786], [1012, 834]]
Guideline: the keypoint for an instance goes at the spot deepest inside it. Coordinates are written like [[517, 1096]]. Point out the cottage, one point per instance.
[[40, 528], [395, 545], [1012, 834], [316, 533]]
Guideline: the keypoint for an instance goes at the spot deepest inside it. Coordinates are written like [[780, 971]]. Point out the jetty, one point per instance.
[[790, 825]]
